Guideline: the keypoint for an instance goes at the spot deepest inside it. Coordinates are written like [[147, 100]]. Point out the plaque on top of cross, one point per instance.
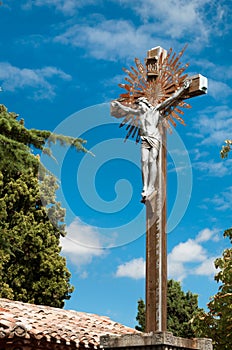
[[153, 101]]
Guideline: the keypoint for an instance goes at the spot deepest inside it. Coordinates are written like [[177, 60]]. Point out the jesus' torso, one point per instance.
[[149, 124]]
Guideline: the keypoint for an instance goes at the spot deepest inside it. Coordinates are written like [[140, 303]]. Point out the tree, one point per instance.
[[31, 220], [141, 316], [217, 323], [181, 308], [226, 149]]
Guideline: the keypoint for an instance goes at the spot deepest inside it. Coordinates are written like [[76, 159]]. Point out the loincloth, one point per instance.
[[150, 142]]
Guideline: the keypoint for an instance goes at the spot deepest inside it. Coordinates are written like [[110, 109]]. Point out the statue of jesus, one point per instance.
[[150, 116]]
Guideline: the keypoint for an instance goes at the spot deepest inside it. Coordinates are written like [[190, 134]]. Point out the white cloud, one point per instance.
[[133, 269], [67, 7], [206, 235], [108, 39], [191, 258], [219, 90], [83, 275], [175, 18], [207, 268], [213, 124], [176, 270], [14, 78], [162, 22], [185, 259], [215, 70], [82, 243], [178, 18], [172, 17], [189, 251], [198, 153], [222, 201], [211, 168]]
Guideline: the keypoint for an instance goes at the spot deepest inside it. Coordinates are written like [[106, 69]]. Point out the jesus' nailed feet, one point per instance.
[[149, 197]]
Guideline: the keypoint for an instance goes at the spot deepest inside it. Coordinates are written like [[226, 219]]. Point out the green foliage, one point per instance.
[[141, 316], [181, 308], [16, 141], [217, 323], [31, 220], [226, 149]]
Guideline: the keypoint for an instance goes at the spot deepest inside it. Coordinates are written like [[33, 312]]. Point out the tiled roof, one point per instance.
[[44, 324]]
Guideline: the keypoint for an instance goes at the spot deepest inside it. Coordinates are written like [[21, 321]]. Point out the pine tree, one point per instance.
[[31, 221], [181, 308]]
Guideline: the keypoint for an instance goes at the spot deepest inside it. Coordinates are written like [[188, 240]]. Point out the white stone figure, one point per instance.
[[150, 116]]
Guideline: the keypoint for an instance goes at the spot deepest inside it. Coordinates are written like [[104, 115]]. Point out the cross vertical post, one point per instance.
[[156, 246], [156, 252]]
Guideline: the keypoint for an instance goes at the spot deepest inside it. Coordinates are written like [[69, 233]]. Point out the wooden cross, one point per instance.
[[156, 241]]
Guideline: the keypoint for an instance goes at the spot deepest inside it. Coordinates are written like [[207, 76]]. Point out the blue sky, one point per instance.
[[60, 65]]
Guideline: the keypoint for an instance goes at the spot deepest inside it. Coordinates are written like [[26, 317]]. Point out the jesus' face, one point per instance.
[[143, 104]]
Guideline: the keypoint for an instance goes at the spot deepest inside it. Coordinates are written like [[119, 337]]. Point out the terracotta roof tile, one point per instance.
[[44, 323]]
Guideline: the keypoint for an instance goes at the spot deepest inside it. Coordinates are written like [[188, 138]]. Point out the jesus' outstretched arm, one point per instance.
[[177, 94]]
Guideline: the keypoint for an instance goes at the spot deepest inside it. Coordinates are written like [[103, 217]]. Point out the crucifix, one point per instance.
[[154, 100]]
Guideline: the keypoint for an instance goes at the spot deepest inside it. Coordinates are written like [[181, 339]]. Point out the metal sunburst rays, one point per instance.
[[170, 77]]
